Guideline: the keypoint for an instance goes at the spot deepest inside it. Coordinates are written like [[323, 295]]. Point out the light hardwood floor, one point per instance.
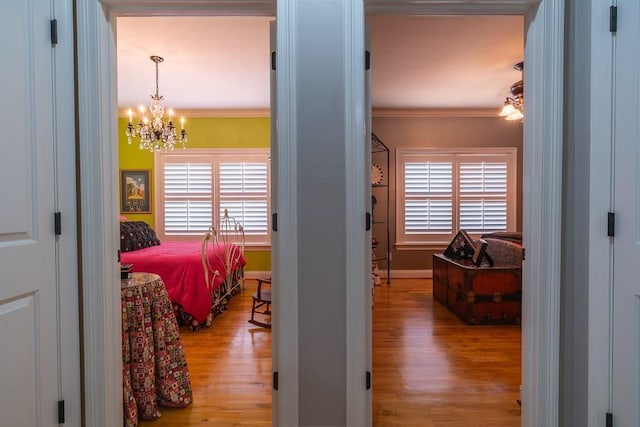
[[429, 368]]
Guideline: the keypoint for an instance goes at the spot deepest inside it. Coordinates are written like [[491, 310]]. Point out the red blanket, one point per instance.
[[180, 266]]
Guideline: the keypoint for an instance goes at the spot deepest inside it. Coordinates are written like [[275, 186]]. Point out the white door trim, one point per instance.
[[357, 238], [542, 207], [98, 190], [66, 203], [285, 240], [600, 262], [98, 204]]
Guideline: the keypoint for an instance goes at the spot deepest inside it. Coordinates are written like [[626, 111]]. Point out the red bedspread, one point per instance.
[[180, 267]]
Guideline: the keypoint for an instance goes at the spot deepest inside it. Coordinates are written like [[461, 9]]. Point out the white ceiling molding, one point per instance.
[[463, 7], [209, 112], [192, 7], [376, 112], [448, 112]]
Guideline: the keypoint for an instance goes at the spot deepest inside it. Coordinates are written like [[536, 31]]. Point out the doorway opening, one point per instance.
[[214, 82], [438, 83]]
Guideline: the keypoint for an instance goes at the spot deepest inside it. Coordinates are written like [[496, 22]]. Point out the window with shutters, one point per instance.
[[195, 187], [441, 191]]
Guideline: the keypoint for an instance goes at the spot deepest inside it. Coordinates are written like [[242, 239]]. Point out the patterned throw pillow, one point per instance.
[[136, 235]]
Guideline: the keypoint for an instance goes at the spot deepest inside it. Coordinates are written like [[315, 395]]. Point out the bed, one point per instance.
[[200, 277]]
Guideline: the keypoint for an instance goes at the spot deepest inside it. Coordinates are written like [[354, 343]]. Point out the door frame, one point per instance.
[[543, 142], [600, 262]]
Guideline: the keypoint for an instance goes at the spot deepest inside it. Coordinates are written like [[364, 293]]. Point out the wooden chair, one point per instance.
[[262, 303]]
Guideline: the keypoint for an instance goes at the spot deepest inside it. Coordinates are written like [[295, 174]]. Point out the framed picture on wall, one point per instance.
[[135, 191]]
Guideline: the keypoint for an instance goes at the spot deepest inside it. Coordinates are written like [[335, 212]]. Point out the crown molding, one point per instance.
[[446, 7], [439, 112], [376, 112], [191, 7], [239, 112], [244, 112]]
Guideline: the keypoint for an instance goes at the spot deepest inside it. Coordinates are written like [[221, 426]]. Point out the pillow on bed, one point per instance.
[[136, 235]]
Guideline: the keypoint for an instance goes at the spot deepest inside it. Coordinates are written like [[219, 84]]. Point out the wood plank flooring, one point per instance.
[[429, 368]]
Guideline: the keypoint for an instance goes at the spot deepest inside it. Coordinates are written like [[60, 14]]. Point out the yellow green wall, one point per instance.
[[218, 132]]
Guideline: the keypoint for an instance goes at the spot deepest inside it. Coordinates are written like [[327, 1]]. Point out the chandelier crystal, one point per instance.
[[152, 130], [513, 107]]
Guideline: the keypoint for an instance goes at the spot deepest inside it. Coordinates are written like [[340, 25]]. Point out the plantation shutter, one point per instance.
[[441, 191], [428, 197], [483, 196], [187, 197], [244, 194]]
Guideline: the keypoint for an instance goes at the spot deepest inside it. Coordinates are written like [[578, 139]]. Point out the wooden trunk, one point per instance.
[[478, 295]]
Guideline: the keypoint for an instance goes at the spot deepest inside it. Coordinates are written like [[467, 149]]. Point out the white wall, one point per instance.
[[321, 217], [575, 236], [328, 124]]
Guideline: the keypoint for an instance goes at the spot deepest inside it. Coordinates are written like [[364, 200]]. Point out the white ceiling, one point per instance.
[[417, 62]]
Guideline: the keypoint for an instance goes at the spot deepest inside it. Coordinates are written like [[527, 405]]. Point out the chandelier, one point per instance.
[[154, 133], [513, 107]]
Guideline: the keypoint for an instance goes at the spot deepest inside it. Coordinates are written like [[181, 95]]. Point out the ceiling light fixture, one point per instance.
[[513, 107], [154, 133]]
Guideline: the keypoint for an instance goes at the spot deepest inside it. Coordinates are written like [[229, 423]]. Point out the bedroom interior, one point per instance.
[[399, 123]]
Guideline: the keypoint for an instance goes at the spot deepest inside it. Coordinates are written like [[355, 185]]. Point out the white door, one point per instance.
[[28, 293], [626, 299]]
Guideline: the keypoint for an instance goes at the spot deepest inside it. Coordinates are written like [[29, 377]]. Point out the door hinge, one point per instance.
[[274, 221], [613, 19], [523, 252], [368, 380], [273, 60], [57, 223], [60, 411], [367, 221], [367, 60], [609, 420], [118, 255], [611, 224], [275, 380], [54, 32]]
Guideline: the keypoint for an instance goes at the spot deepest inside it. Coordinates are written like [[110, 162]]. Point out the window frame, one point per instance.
[[215, 156], [456, 155]]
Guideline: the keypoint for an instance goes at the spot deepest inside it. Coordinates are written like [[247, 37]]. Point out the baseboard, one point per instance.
[[254, 274], [408, 274], [395, 274]]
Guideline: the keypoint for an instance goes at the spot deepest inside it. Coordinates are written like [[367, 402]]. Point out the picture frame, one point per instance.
[[135, 191], [480, 253]]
